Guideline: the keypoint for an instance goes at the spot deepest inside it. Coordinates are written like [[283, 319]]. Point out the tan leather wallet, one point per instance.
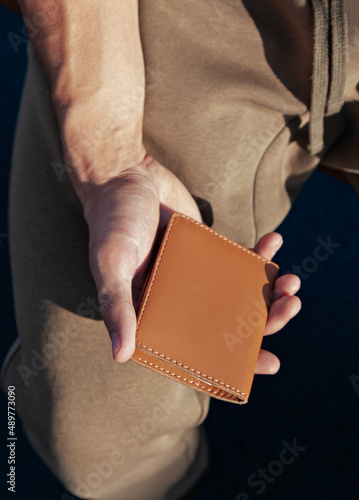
[[203, 310]]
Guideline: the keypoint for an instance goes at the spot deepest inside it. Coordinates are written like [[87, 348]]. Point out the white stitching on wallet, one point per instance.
[[149, 293], [218, 391]]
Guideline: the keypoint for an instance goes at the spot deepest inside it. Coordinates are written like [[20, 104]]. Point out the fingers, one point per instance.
[[287, 284], [284, 304], [281, 312], [267, 364], [268, 245]]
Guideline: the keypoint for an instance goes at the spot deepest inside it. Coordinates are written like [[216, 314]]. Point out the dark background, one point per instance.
[[312, 399]]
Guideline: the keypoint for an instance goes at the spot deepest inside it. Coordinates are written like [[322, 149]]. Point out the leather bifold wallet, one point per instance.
[[203, 310]]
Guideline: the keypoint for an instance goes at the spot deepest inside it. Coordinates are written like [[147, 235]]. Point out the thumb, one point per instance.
[[123, 219], [116, 266], [119, 316]]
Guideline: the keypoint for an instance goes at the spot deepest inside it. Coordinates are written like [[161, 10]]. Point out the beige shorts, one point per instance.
[[228, 109]]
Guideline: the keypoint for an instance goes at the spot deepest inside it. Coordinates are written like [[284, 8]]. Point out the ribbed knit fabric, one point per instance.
[[329, 66]]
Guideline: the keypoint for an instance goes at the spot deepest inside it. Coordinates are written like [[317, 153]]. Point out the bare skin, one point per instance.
[[91, 55]]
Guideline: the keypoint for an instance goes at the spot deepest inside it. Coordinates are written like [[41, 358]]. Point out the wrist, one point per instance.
[[91, 179], [98, 145]]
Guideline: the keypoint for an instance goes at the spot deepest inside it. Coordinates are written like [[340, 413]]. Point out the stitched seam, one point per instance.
[[193, 370], [226, 239], [153, 282], [272, 142], [208, 389]]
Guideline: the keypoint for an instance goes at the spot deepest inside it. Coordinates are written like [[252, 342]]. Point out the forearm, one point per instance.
[[92, 57]]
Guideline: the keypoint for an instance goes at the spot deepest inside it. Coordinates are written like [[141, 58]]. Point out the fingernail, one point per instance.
[[116, 343], [277, 246]]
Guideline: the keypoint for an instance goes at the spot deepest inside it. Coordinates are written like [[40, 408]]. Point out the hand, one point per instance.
[[285, 305], [124, 215]]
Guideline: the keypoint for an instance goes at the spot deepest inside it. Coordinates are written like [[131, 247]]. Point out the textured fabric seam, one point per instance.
[[278, 134]]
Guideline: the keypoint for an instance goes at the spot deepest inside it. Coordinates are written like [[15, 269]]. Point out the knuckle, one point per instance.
[[106, 302]]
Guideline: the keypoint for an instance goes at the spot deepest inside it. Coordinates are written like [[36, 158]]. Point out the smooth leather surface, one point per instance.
[[203, 310]]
